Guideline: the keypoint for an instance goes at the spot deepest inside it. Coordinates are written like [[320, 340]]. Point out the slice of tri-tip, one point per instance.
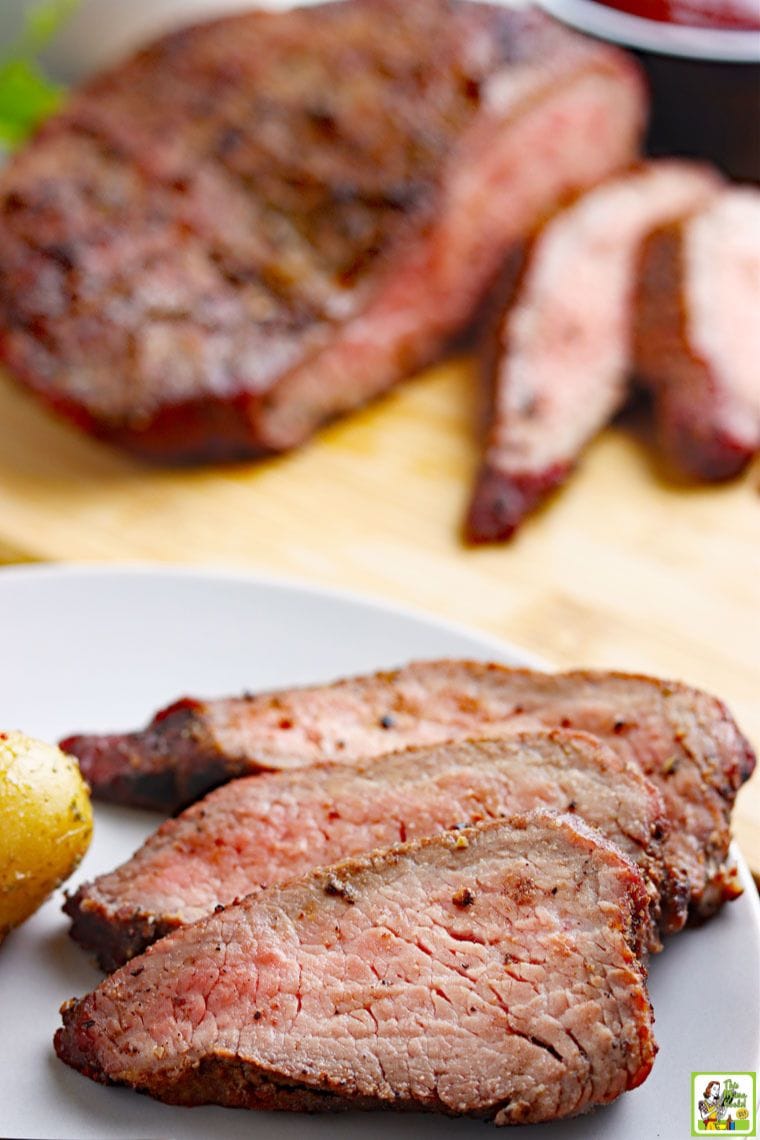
[[264, 829], [563, 359], [684, 740], [492, 972]]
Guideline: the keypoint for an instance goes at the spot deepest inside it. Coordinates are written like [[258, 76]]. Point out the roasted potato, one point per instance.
[[45, 824]]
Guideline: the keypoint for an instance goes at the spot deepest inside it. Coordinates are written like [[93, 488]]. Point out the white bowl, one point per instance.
[[656, 36]]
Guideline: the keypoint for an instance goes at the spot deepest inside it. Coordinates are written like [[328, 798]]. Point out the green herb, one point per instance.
[[27, 96]]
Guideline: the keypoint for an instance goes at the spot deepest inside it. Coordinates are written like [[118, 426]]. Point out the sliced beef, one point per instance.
[[264, 829], [684, 740], [259, 223], [490, 972], [698, 334], [563, 359]]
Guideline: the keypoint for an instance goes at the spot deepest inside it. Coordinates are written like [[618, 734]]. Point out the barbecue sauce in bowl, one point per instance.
[[730, 15]]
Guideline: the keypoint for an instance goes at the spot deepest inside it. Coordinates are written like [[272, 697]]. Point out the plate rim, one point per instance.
[[141, 568]]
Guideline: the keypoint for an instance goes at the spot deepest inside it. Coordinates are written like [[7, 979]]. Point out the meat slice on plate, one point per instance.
[[264, 829], [698, 334], [491, 972], [563, 359], [257, 224], [682, 739]]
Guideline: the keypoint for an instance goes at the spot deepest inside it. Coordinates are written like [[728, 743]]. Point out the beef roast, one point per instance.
[[562, 364], [264, 829], [490, 972], [684, 740], [698, 334], [259, 223]]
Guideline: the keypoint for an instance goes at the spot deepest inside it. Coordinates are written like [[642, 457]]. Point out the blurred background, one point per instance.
[[702, 58], [98, 31]]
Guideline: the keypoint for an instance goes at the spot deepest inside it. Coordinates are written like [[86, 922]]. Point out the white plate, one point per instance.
[[88, 648]]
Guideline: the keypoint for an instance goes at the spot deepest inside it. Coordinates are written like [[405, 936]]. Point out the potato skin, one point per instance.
[[45, 824]]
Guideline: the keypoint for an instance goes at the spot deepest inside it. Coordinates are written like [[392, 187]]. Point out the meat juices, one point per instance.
[[257, 224], [493, 972], [698, 334], [264, 829], [564, 347]]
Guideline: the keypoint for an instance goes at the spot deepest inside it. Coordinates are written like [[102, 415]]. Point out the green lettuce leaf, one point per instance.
[[27, 95]]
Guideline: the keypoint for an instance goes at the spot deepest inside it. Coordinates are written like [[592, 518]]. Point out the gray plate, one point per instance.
[[88, 648]]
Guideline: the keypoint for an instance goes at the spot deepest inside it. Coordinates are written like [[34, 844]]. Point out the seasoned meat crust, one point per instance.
[[265, 829], [698, 334], [685, 741], [491, 972], [564, 354], [256, 224]]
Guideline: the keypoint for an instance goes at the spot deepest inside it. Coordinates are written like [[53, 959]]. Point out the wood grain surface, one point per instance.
[[623, 569]]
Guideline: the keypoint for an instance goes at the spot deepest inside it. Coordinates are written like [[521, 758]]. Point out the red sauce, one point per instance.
[[733, 15]]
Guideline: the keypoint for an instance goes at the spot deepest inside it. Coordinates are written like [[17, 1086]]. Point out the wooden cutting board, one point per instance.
[[624, 568]]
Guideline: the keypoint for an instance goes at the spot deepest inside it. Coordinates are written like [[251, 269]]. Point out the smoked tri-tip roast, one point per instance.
[[259, 223], [493, 972], [683, 740], [264, 829]]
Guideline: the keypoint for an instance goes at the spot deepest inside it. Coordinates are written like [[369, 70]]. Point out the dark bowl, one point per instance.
[[705, 83]]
